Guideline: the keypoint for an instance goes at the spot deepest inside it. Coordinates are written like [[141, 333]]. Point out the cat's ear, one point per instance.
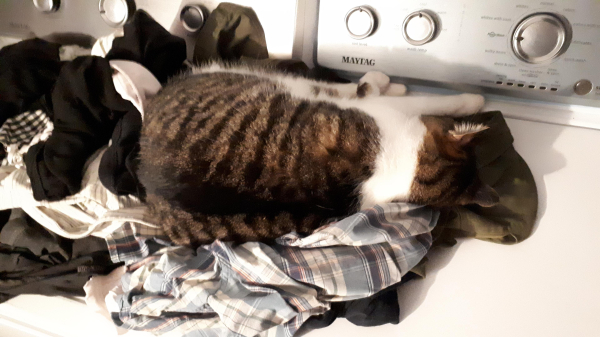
[[485, 196], [463, 133]]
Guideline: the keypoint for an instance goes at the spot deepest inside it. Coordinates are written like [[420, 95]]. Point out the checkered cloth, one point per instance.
[[19, 133], [21, 129], [255, 289]]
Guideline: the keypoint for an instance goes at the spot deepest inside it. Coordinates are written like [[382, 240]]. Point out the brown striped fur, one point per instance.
[[238, 158], [446, 171], [231, 157]]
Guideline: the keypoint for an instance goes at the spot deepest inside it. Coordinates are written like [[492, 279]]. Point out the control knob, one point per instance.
[[419, 27], [541, 37], [192, 18], [47, 6], [360, 22], [116, 12]]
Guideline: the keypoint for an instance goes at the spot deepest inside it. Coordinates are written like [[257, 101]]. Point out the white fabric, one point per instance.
[[71, 52], [134, 82], [92, 211], [103, 44]]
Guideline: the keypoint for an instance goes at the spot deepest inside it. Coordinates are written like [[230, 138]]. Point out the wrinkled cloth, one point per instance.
[[34, 260], [21, 132], [255, 289], [230, 32], [146, 42], [378, 309], [134, 83], [86, 109], [28, 70], [133, 242], [512, 220], [103, 44], [118, 168], [98, 287], [92, 211], [21, 129]]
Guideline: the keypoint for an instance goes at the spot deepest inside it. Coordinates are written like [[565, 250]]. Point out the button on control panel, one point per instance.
[[523, 48], [192, 18], [47, 6], [419, 28], [360, 22], [583, 87]]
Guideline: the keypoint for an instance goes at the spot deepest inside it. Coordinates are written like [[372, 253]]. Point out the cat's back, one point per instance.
[[223, 142]]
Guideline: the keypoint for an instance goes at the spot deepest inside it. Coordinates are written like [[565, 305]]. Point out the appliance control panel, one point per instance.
[[28, 18], [542, 50]]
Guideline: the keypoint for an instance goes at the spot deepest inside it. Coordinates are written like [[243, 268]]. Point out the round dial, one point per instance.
[[541, 37], [47, 6], [116, 12], [419, 28], [192, 18], [360, 22]]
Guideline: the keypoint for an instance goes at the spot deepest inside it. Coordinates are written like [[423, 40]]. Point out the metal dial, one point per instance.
[[360, 22], [541, 37], [419, 28], [192, 18], [47, 6], [116, 12]]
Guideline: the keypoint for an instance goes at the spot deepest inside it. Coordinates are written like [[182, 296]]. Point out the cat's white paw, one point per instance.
[[395, 89], [471, 104], [377, 81]]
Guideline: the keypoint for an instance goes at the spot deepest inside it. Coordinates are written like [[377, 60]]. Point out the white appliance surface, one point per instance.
[[545, 286]]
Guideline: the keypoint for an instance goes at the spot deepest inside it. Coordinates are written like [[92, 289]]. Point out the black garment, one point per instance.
[[118, 166], [86, 109], [34, 260], [381, 308], [146, 42], [28, 70]]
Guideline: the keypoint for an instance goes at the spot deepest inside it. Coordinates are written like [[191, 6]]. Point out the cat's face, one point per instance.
[[446, 173]]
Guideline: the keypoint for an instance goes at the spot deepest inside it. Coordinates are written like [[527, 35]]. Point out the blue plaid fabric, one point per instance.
[[254, 289]]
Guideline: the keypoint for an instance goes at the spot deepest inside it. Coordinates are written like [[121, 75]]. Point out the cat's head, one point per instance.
[[446, 172]]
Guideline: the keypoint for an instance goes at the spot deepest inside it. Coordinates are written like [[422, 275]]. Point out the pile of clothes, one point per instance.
[[75, 224]]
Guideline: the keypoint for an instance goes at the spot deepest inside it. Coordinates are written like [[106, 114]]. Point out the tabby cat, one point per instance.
[[240, 154]]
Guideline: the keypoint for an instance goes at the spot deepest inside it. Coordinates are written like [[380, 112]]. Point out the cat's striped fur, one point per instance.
[[236, 154]]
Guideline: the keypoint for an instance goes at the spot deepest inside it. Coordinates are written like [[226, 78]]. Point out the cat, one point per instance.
[[242, 154]]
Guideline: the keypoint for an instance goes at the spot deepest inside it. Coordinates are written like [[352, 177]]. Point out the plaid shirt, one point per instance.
[[21, 129], [19, 133], [254, 289]]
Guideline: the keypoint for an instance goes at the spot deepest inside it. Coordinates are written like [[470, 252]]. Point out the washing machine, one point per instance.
[[536, 61]]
